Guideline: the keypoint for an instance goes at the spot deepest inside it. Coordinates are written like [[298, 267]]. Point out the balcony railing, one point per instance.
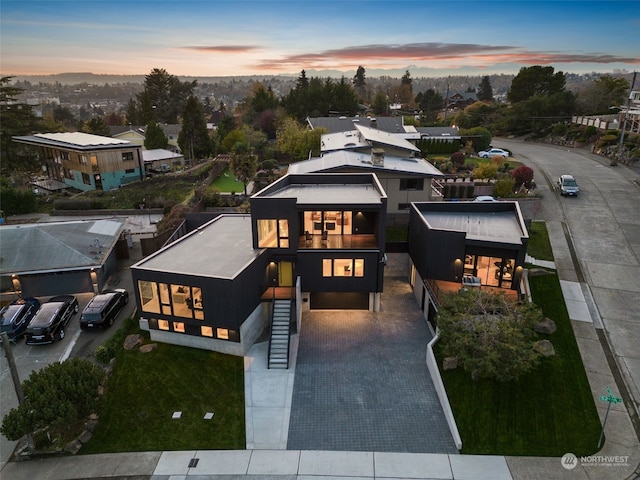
[[327, 241]]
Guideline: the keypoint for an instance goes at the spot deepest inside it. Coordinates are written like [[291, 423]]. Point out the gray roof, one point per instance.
[[346, 124], [329, 194], [358, 161], [225, 242], [159, 154], [44, 247], [364, 137], [74, 141], [498, 222], [439, 132]]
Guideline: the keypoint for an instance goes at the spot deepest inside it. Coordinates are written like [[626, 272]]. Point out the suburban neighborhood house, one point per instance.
[[87, 162], [404, 179], [315, 238], [365, 138], [476, 244], [43, 259]]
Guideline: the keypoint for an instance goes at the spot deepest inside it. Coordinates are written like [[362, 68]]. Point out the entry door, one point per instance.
[[285, 274]]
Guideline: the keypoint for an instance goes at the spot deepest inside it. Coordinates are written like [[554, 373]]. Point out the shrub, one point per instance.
[[559, 130], [79, 204], [522, 176], [457, 159], [608, 139], [485, 171], [504, 187]]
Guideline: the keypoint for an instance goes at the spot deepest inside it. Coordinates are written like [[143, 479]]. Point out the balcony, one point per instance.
[[329, 241]]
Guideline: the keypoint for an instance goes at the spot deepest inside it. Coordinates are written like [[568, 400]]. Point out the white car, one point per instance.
[[485, 198], [493, 152]]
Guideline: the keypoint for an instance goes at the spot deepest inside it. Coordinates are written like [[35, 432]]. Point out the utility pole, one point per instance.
[[14, 376], [624, 122]]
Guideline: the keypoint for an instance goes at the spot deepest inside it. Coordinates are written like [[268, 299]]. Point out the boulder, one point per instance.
[[150, 347], [133, 341], [535, 272], [85, 437], [450, 363], [546, 326], [73, 447], [545, 347], [91, 425]]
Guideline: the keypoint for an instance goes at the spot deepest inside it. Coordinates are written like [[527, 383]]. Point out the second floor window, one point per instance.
[[273, 233], [412, 184], [127, 156]]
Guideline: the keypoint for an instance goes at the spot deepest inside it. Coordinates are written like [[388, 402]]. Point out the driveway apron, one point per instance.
[[361, 381]]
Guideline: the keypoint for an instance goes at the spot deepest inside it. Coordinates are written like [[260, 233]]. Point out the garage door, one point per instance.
[[340, 301]]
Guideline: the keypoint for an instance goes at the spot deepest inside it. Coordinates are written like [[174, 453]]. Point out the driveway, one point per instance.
[[362, 384]]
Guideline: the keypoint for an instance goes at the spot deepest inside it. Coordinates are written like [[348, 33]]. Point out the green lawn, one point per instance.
[[226, 182], [548, 412], [539, 246], [145, 389]]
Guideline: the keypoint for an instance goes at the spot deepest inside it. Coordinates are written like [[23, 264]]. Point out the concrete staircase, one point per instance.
[[279, 340]]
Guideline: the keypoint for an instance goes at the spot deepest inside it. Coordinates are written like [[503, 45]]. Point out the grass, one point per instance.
[[226, 182], [539, 246], [396, 234], [145, 389], [548, 412]]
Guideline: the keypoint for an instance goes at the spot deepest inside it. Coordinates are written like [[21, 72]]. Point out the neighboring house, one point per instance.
[[363, 139], [460, 101], [161, 160], [318, 238], [57, 258], [405, 180], [471, 244], [135, 134], [87, 162]]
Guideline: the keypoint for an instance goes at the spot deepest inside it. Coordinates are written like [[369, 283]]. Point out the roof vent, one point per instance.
[[377, 157]]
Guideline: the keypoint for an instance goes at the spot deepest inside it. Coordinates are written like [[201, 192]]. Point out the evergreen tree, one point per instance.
[[485, 92], [193, 138], [536, 80], [163, 98], [360, 84], [154, 137], [96, 126]]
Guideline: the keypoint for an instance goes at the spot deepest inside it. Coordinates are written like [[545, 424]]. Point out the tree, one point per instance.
[[16, 118], [244, 163], [522, 175], [604, 93], [96, 126], [14, 202], [490, 336], [536, 80], [485, 92], [297, 141], [163, 98], [154, 137], [55, 397], [430, 104], [194, 139], [405, 92], [360, 84], [380, 104]]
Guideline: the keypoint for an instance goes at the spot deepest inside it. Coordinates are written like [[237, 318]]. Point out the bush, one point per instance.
[[458, 159], [522, 176], [485, 171], [504, 187], [108, 350], [79, 204]]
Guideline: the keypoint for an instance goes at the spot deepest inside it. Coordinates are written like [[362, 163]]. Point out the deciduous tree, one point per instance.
[[244, 163]]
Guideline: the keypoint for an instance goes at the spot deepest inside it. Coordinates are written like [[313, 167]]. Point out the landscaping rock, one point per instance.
[[133, 341], [450, 363], [546, 326], [85, 437], [91, 425], [73, 447], [150, 347], [536, 272], [545, 347]]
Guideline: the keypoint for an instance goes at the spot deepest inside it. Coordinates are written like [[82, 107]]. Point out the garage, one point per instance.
[[339, 301]]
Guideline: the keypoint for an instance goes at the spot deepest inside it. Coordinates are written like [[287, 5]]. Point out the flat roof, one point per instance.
[[74, 141], [362, 161], [221, 248], [56, 246], [502, 226], [329, 194]]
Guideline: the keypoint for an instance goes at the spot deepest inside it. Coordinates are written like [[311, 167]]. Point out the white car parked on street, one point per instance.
[[493, 152]]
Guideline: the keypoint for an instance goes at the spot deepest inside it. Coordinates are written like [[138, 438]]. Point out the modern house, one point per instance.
[[87, 162], [313, 241], [161, 160], [135, 134], [404, 179], [363, 139], [43, 259], [465, 244]]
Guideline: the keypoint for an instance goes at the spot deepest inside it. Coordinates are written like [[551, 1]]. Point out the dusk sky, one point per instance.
[[233, 38]]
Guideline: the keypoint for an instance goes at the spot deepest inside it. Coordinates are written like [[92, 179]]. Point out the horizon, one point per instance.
[[258, 38]]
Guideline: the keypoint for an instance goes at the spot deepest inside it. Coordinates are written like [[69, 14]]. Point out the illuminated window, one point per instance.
[[164, 298], [222, 333], [149, 296], [326, 267], [163, 324], [182, 301], [206, 331], [342, 267], [273, 233], [178, 327], [358, 267]]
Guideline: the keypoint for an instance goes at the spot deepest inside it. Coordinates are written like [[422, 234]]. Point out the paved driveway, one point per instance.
[[361, 382]]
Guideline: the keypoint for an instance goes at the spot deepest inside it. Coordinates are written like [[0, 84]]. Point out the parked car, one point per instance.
[[493, 152], [485, 198], [15, 317], [102, 310], [48, 323], [567, 185]]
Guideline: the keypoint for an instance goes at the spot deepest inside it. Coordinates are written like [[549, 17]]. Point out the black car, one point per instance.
[[102, 310], [49, 322], [15, 318]]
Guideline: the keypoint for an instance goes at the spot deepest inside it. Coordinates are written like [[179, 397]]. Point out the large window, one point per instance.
[[273, 233], [127, 156], [343, 267], [176, 300]]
